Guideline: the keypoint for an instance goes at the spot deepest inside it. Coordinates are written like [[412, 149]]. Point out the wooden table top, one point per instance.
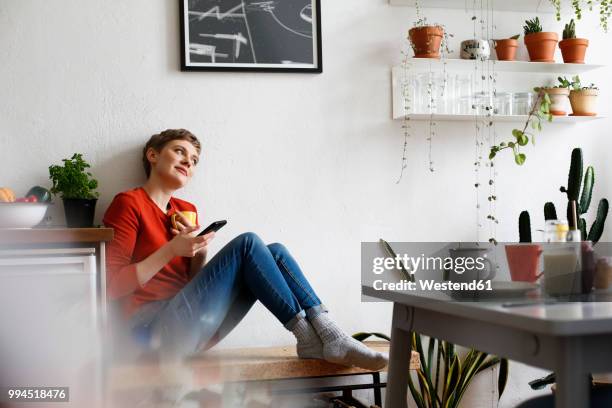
[[54, 235]]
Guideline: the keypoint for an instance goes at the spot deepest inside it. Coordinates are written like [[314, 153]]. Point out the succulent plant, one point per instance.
[[532, 26]]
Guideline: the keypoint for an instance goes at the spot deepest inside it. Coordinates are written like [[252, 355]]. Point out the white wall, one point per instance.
[[308, 160]]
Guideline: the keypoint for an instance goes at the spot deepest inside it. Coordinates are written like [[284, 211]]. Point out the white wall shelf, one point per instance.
[[499, 118], [455, 64], [532, 6]]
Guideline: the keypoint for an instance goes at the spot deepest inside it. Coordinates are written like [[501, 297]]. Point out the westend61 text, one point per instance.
[[430, 284]]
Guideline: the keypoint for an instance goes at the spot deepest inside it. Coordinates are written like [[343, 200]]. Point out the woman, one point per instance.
[[160, 276]]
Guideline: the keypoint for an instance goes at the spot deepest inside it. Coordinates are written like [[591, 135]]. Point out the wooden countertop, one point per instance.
[[55, 235]]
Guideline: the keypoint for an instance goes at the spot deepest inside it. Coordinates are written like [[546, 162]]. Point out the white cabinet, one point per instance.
[[50, 334]]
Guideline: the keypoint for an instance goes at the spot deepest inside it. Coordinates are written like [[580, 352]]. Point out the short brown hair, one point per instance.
[[158, 141]]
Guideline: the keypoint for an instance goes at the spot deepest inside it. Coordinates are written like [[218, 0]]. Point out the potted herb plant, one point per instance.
[[76, 187], [583, 98], [572, 49], [506, 48], [558, 97], [426, 39], [540, 44]]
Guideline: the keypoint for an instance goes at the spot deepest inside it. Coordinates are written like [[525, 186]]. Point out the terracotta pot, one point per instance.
[[558, 100], [573, 50], [541, 46], [584, 102], [426, 41], [523, 260], [506, 49]]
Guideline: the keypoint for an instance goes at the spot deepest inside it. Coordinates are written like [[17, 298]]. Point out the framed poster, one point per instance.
[[251, 35]]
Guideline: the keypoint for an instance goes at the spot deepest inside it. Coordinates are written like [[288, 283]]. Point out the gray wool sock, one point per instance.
[[308, 342], [340, 348]]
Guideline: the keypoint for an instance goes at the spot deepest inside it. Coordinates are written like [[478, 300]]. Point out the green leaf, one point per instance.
[[517, 133], [502, 380], [511, 145], [416, 395], [520, 159]]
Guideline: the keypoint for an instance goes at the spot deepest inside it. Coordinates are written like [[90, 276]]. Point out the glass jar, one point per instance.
[[502, 103], [521, 103], [463, 93], [483, 103], [556, 231]]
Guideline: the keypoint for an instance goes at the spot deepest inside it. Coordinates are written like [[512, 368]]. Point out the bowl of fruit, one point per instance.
[[23, 212]]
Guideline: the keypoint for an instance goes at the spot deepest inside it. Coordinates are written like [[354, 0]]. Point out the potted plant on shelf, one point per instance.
[[583, 98], [572, 49], [76, 187], [540, 44], [426, 39], [558, 97], [475, 49], [506, 48]]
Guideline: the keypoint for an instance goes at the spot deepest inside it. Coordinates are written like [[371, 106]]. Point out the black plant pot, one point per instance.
[[79, 212]]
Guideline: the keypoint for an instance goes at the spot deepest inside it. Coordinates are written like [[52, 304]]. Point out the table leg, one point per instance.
[[399, 359], [573, 384]]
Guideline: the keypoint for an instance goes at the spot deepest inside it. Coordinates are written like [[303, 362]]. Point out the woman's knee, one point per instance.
[[248, 240], [277, 249]]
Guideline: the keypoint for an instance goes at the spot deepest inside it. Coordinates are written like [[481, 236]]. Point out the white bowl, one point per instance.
[[22, 215]]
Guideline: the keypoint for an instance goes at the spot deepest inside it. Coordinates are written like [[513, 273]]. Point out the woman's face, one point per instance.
[[174, 165]]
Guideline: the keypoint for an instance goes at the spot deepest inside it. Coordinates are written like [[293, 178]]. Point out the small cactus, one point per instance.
[[598, 225], [570, 30], [524, 227], [550, 212]]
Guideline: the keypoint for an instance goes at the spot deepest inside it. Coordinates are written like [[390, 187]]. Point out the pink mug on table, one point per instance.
[[523, 260]]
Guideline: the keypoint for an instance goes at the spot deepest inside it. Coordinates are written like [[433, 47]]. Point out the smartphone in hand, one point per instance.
[[215, 226]]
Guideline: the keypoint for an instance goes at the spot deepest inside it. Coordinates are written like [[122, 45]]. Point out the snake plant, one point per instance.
[[443, 380]]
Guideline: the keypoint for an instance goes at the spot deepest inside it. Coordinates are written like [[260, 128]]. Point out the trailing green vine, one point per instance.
[[605, 9], [540, 111]]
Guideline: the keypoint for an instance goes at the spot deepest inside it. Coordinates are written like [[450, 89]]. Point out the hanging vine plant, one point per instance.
[[604, 6], [539, 112]]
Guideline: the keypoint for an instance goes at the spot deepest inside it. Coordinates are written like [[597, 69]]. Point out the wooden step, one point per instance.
[[230, 365]]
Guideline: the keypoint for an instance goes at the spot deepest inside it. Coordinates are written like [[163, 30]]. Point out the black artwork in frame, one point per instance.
[[251, 35]]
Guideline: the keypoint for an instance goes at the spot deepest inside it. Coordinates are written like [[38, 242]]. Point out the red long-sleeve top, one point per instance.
[[141, 228]]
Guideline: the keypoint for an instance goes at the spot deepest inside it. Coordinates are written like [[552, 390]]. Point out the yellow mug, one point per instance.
[[190, 215]]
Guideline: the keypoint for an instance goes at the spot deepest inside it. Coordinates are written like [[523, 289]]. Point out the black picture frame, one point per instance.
[[266, 35]]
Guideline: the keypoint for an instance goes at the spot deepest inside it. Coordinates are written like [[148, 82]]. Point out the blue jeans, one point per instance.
[[224, 290]]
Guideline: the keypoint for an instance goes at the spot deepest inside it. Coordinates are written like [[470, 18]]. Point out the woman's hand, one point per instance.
[[186, 244]]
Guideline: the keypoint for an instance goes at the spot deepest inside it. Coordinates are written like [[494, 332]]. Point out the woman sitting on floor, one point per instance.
[[160, 276]]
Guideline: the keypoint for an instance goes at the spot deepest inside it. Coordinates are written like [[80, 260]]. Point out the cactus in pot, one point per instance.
[[572, 49], [582, 198]]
